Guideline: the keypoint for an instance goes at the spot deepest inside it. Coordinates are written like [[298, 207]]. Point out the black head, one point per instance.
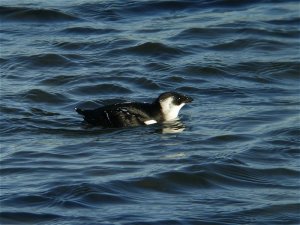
[[171, 103], [177, 99]]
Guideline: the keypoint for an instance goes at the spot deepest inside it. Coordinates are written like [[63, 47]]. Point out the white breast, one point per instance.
[[169, 110]]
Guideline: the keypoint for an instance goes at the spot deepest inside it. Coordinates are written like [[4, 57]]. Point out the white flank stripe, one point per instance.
[[148, 122]]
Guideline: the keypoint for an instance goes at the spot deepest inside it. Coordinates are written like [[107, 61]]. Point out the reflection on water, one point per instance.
[[172, 127]]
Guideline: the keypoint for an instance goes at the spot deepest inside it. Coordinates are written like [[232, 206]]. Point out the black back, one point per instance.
[[122, 114]]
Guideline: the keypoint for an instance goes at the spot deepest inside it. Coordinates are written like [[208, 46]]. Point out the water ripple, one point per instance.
[[38, 95], [232, 157], [27, 217], [152, 49], [21, 14], [87, 30], [101, 89]]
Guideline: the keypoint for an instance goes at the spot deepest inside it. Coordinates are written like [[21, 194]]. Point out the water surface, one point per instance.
[[236, 157]]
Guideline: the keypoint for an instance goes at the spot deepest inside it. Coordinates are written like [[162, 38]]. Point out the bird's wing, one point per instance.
[[118, 115], [127, 115]]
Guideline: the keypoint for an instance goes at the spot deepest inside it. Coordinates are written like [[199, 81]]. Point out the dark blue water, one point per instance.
[[235, 158]]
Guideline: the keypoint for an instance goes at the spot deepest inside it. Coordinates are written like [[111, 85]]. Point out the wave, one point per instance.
[[205, 176], [58, 80], [27, 217], [21, 14], [255, 44], [152, 49], [45, 60], [286, 22], [122, 10], [227, 30], [281, 70], [197, 33], [101, 89], [41, 96], [87, 30]]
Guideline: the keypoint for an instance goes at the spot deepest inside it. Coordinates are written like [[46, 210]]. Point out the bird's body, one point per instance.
[[121, 115], [165, 108]]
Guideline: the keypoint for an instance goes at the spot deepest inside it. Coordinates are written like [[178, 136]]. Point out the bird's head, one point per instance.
[[171, 103]]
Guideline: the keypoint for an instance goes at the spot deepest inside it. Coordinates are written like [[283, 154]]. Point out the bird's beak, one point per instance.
[[188, 99]]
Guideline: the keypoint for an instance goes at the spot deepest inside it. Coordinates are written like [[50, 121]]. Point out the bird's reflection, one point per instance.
[[172, 127], [169, 127]]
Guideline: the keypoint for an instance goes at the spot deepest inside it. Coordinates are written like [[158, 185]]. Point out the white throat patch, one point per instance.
[[169, 110]]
